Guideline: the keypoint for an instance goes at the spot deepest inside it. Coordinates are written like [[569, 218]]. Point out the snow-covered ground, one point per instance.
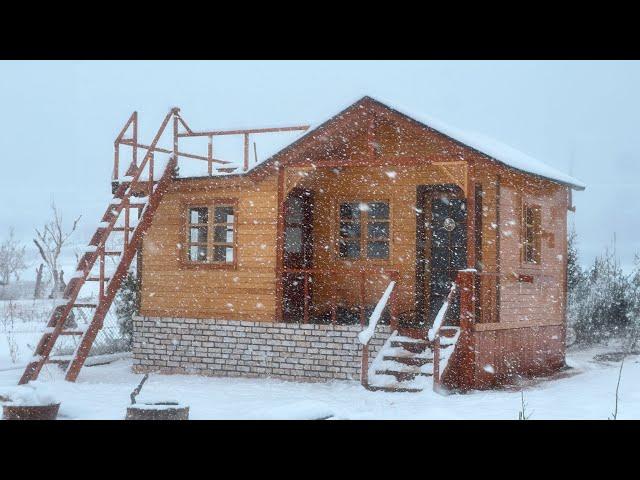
[[586, 391], [21, 325], [22, 322]]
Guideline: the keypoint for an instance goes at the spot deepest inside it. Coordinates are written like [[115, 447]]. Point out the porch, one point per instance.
[[344, 233]]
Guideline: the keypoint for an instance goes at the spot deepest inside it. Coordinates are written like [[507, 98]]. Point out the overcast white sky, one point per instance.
[[60, 119]]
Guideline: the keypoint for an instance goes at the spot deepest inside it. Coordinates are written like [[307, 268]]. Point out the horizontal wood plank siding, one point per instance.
[[247, 292]]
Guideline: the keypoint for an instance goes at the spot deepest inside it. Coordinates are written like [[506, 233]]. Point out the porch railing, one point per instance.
[[433, 333], [361, 277], [367, 334]]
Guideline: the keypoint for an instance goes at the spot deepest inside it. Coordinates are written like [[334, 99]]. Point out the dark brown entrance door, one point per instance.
[[298, 252], [441, 249]]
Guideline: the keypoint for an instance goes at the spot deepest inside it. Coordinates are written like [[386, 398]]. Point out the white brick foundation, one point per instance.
[[232, 348]]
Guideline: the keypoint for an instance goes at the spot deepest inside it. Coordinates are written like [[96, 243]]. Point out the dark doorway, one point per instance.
[[441, 249], [298, 252]]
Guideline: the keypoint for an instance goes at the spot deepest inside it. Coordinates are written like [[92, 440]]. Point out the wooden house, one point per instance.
[[275, 268]]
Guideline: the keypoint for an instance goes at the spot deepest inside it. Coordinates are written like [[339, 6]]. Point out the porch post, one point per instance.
[[467, 282], [471, 217], [466, 360], [280, 245]]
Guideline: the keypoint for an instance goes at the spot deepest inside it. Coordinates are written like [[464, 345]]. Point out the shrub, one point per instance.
[[127, 305]]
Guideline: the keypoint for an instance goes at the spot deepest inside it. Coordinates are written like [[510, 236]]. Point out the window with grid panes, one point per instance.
[[364, 230], [211, 234]]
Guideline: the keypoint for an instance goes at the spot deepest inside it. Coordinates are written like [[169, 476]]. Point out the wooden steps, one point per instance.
[[389, 383], [405, 364]]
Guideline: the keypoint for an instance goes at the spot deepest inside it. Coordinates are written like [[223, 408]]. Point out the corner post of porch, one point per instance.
[[467, 284], [471, 217], [466, 360], [279, 270], [469, 278], [466, 281]]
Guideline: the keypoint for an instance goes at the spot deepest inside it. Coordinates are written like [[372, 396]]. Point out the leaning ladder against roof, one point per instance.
[[96, 251]]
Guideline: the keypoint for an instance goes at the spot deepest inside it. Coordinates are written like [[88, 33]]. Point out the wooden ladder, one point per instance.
[[97, 251]]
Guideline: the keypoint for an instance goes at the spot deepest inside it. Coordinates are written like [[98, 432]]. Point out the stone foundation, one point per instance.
[[236, 348]]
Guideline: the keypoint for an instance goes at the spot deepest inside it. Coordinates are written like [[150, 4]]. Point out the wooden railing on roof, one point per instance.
[[182, 130]]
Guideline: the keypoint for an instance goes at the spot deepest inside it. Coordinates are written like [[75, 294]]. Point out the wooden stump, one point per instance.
[[157, 411], [30, 412]]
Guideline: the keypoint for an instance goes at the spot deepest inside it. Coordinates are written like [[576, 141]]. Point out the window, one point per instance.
[[531, 233], [211, 234], [364, 230], [294, 225]]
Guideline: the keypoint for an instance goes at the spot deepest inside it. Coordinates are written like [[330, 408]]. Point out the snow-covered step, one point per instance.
[[401, 352], [402, 339], [409, 360], [397, 367], [389, 383], [414, 345], [427, 369], [405, 364]]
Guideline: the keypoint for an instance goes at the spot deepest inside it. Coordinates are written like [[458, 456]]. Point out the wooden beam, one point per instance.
[[134, 153], [245, 166], [471, 219], [210, 156], [280, 245], [498, 259], [181, 154], [210, 133]]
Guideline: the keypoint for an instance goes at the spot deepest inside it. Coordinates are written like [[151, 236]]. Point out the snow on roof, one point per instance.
[[499, 151], [493, 148]]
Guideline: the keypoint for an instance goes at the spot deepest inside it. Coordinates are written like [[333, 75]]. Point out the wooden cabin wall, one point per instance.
[[244, 293], [369, 184], [528, 338], [540, 302], [377, 162]]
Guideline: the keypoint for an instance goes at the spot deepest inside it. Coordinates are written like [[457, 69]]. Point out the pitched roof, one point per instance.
[[494, 149]]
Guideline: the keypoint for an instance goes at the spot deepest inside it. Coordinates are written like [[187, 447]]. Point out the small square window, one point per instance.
[[198, 235], [199, 215], [378, 230], [349, 249], [364, 230], [293, 240], [378, 210], [378, 250], [198, 253], [350, 211], [211, 242], [224, 214], [531, 233], [350, 230]]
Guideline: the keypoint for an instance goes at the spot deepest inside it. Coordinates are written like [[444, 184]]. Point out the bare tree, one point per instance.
[[39, 287], [12, 254], [614, 414], [523, 414], [50, 240]]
